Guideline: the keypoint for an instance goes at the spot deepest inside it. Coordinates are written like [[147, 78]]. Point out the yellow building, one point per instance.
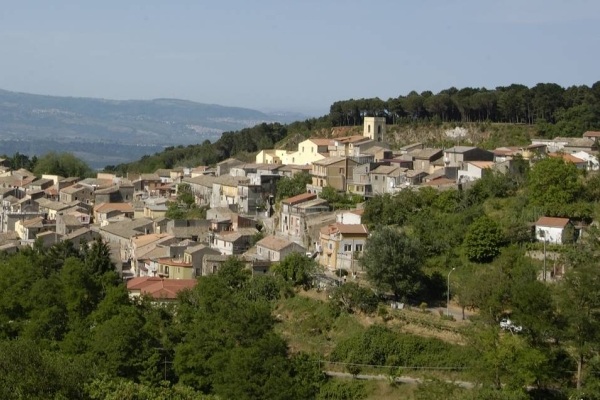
[[175, 269], [272, 156], [341, 245]]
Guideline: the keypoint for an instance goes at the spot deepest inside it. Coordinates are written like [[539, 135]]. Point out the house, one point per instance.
[[29, 228], [154, 211], [294, 211], [195, 254], [272, 156], [105, 211], [309, 151], [409, 148], [68, 222], [360, 183], [591, 160], [332, 171], [81, 235], [141, 245], [571, 159], [202, 188], [350, 217], [175, 268], [457, 156], [292, 169], [387, 178], [118, 235], [423, 159], [475, 170], [355, 147], [273, 248], [225, 166], [554, 230], [568, 144], [341, 245], [225, 190], [159, 289], [232, 243]]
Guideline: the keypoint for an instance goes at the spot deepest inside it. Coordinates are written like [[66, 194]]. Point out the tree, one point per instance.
[[350, 298], [297, 269], [63, 164], [393, 262], [185, 195], [579, 302], [552, 184], [288, 187], [483, 240]]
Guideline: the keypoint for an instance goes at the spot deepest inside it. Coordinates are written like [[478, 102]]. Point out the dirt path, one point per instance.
[[400, 379]]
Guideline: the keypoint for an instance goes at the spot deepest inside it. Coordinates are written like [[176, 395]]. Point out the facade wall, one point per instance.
[[549, 234]]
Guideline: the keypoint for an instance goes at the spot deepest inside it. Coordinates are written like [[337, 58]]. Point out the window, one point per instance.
[[330, 246], [341, 171], [359, 247], [347, 247], [303, 149], [379, 129], [312, 149], [376, 178], [369, 128], [166, 270]]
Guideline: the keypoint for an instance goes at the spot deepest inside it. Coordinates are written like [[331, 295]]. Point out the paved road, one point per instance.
[[399, 379]]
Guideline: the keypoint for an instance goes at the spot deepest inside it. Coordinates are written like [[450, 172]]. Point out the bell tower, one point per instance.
[[374, 128]]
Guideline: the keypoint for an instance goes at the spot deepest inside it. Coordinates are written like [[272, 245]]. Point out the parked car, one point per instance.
[[508, 325]]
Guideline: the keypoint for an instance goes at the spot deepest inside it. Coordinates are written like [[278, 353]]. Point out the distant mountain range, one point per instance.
[[103, 132]]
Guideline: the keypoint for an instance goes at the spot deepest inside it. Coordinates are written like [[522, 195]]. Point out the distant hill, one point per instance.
[[105, 132]]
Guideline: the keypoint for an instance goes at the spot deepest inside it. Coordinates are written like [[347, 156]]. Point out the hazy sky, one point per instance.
[[297, 55]]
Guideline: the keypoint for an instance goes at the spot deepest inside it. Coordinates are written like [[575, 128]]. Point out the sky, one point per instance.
[[292, 55]]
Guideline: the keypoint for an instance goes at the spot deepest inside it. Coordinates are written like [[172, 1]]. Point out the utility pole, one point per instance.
[[448, 294]]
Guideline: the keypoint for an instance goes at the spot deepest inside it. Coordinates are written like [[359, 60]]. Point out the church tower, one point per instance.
[[374, 128]]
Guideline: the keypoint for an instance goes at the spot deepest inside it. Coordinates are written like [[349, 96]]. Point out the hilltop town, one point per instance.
[[243, 218]]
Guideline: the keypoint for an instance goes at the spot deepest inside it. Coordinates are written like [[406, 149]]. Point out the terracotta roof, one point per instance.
[[567, 157], [159, 288], [345, 229], [440, 182], [331, 160], [33, 222], [427, 154], [552, 222], [105, 207], [592, 134], [275, 243], [150, 238], [482, 164], [385, 169], [174, 262], [299, 198], [352, 139], [323, 142]]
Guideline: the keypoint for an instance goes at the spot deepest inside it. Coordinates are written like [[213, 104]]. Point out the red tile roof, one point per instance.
[[159, 288], [592, 134], [567, 157], [552, 222], [345, 229], [299, 198]]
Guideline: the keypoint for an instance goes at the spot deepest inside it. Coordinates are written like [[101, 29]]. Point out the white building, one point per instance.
[[553, 230]]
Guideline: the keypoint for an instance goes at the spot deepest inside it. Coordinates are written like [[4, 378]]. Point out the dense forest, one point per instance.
[[552, 109]]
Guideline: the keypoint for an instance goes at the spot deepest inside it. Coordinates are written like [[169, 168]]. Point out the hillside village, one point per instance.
[[243, 218]]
